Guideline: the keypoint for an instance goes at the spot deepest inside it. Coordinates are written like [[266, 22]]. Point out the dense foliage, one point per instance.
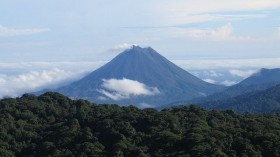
[[265, 101], [54, 125]]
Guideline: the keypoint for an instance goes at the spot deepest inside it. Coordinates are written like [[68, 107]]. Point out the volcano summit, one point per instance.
[[142, 77]]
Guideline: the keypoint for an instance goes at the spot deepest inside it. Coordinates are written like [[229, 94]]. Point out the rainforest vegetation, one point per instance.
[[54, 125]]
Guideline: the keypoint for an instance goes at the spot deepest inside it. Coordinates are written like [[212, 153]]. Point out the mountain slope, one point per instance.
[[266, 101], [139, 76], [261, 80]]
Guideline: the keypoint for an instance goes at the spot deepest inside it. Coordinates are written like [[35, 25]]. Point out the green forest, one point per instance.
[[264, 101], [54, 125]]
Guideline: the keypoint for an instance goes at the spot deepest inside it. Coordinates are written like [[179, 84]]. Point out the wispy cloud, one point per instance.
[[188, 64], [209, 80], [223, 33], [189, 18], [67, 65], [242, 73], [228, 63], [115, 50], [182, 12], [278, 32], [121, 47], [213, 73], [238, 16], [9, 31], [118, 89], [228, 83]]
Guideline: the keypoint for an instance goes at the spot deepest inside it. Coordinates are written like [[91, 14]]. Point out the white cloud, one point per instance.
[[118, 89], [240, 16], [34, 80], [228, 83], [242, 73], [210, 81], [7, 31], [182, 12], [22, 77], [278, 33], [204, 64], [115, 50], [223, 33], [122, 47]]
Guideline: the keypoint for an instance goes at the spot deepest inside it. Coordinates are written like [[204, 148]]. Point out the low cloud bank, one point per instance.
[[12, 86], [118, 89], [23, 77]]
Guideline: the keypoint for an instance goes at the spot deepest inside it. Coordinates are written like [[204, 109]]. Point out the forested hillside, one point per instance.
[[266, 101], [54, 125]]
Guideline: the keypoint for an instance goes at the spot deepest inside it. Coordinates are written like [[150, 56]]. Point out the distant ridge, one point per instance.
[[142, 77], [261, 80], [265, 101]]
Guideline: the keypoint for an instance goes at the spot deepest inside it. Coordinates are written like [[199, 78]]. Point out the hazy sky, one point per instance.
[[46, 38], [86, 30]]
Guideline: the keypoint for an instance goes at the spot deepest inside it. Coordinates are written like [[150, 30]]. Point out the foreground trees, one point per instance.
[[54, 125]]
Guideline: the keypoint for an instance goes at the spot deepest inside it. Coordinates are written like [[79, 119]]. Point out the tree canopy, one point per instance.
[[53, 125]]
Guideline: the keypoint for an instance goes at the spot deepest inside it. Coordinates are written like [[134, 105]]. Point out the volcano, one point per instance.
[[141, 77]]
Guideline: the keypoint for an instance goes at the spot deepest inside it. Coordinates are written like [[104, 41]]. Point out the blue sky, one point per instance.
[[57, 36]]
